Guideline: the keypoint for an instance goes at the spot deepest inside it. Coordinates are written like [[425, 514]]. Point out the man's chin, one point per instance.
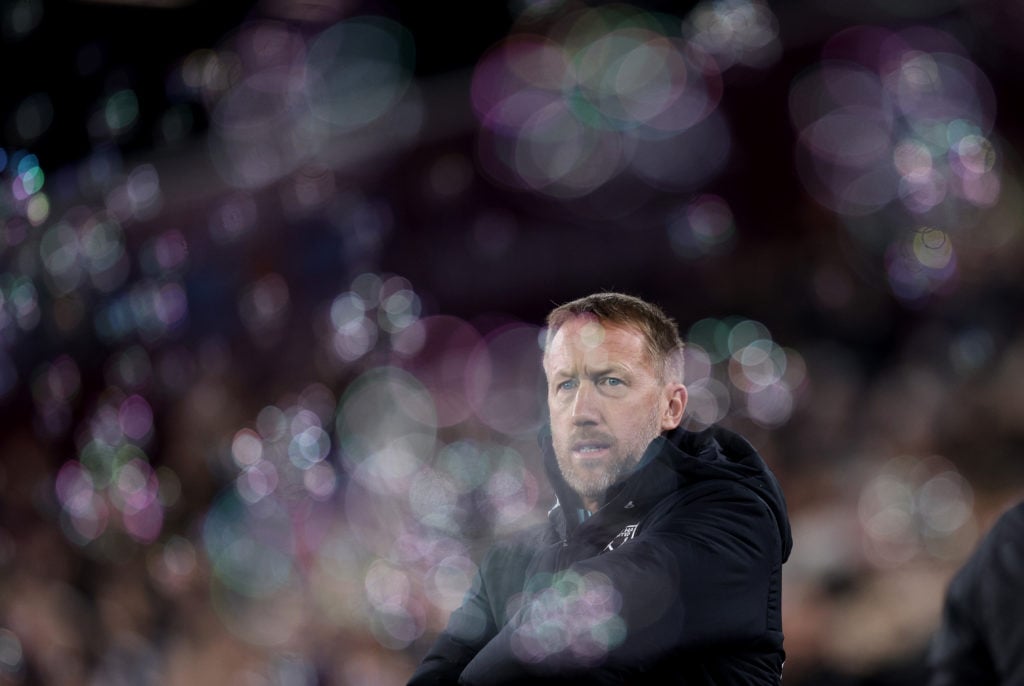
[[588, 488]]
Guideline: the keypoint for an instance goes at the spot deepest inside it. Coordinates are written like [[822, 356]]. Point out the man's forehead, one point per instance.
[[588, 329], [595, 339], [586, 332]]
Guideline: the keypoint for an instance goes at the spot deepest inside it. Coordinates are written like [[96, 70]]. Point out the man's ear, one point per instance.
[[673, 415]]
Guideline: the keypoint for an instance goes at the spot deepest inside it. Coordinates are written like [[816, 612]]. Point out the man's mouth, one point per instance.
[[590, 449]]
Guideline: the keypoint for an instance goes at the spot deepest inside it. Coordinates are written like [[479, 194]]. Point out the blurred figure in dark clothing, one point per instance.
[[981, 638]]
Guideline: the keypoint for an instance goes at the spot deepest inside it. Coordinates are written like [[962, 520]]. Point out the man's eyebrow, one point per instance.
[[613, 368], [564, 370]]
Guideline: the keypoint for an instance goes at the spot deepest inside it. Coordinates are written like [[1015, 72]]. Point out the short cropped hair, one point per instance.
[[660, 331]]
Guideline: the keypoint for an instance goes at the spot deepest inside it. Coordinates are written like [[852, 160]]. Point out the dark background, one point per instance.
[[890, 381]]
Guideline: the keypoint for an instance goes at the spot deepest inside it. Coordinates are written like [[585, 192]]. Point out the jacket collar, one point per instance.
[[672, 460]]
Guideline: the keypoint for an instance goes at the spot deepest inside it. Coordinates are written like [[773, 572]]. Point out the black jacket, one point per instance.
[[981, 638], [675, 580]]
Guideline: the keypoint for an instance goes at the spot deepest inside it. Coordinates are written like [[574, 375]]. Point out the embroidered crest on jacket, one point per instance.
[[623, 536]]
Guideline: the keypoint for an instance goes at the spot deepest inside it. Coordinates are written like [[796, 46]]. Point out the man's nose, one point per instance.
[[584, 406]]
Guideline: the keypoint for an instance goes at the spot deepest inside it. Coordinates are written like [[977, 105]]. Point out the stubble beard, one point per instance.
[[593, 483]]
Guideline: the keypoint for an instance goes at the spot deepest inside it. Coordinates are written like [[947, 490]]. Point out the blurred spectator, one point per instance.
[[981, 638]]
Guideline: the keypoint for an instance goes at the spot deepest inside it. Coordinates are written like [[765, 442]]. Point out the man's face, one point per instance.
[[607, 402]]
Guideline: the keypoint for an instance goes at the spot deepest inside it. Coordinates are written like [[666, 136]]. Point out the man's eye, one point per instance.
[[611, 381], [566, 385]]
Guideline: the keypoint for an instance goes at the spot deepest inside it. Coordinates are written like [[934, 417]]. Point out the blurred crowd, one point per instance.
[[269, 359]]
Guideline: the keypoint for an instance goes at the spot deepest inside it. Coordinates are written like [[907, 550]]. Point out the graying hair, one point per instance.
[[660, 331]]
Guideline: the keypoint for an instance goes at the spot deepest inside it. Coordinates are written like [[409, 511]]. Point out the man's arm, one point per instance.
[[476, 621], [698, 575], [469, 628]]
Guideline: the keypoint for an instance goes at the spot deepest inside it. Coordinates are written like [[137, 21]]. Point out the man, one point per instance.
[[662, 559], [981, 637]]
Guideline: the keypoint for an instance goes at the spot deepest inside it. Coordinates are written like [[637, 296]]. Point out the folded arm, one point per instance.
[[699, 575]]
